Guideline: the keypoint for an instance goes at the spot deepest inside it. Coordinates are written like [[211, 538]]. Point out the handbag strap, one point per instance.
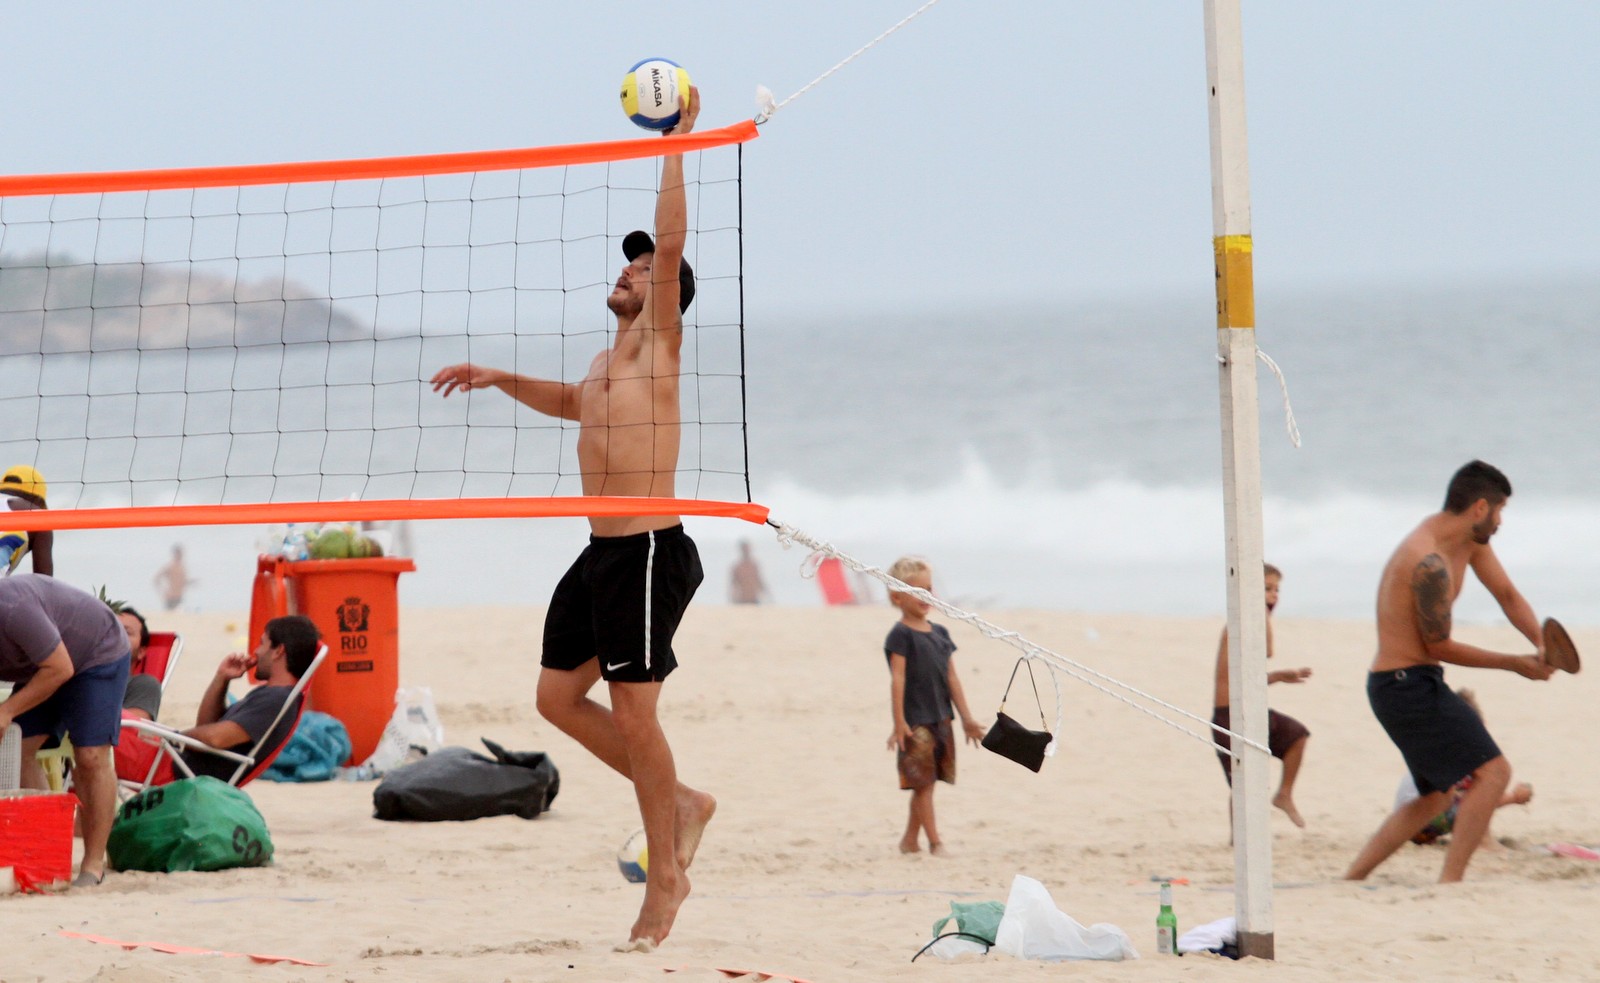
[[1037, 701]]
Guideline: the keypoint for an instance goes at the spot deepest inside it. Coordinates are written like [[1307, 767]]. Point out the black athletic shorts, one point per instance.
[[1442, 739], [621, 603]]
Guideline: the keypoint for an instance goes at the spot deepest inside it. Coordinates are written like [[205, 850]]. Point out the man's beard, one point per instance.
[[624, 306]]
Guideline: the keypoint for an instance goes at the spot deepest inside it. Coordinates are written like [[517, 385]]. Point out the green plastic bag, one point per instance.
[[193, 824], [980, 918]]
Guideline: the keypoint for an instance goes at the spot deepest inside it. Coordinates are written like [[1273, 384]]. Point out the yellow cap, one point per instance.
[[25, 479]]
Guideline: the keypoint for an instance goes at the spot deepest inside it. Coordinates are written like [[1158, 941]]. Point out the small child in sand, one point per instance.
[[923, 686], [1442, 824], [1286, 736]]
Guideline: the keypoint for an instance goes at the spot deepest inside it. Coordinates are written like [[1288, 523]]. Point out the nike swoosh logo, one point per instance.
[[611, 668]]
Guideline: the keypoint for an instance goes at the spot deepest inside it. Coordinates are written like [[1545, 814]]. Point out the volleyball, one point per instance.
[[653, 91], [634, 858]]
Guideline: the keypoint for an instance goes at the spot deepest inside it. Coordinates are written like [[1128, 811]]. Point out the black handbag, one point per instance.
[[1010, 739]]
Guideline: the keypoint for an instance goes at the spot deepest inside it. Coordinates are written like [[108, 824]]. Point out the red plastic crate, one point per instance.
[[36, 837]]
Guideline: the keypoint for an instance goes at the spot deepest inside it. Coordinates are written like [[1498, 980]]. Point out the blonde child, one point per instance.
[[923, 686]]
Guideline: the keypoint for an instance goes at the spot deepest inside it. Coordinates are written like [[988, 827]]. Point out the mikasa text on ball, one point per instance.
[[653, 92]]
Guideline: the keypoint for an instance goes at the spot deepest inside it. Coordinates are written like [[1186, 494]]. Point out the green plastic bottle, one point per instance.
[[1166, 923]]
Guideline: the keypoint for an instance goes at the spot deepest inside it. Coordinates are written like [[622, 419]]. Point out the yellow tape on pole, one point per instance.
[[1236, 289]]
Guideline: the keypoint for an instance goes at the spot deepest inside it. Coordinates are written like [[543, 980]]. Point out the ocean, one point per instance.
[[1066, 455]]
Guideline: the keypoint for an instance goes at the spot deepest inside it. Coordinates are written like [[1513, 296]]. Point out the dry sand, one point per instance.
[[782, 713]]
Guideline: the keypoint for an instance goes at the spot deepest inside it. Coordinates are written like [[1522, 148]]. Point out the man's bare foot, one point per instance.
[[938, 850], [1522, 794], [1285, 803], [662, 897], [695, 810], [910, 847]]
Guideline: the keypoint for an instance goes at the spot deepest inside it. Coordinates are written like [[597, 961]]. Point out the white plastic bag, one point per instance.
[[411, 732], [1034, 928], [956, 947]]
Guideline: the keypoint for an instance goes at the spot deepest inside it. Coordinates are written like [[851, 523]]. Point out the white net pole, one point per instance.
[[1241, 475]]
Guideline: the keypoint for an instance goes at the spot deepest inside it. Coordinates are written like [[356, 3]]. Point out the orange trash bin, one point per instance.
[[355, 604]]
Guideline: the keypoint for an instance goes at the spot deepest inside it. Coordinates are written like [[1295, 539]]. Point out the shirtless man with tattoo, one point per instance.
[[1441, 738], [613, 615]]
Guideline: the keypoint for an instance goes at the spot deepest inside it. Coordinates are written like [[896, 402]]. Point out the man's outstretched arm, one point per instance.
[[548, 397], [1518, 611], [672, 225], [1431, 592]]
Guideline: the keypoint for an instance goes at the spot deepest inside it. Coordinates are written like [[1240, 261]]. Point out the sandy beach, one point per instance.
[[782, 714]]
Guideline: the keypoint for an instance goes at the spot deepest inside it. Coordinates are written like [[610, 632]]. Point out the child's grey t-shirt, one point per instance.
[[927, 655]]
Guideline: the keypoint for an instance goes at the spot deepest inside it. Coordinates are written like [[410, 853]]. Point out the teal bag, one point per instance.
[[314, 752], [192, 824], [979, 918]]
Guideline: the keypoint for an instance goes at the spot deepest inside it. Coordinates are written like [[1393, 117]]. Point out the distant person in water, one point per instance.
[[745, 585], [173, 580]]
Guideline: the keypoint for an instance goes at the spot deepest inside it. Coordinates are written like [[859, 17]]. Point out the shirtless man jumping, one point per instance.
[[613, 614], [1441, 738]]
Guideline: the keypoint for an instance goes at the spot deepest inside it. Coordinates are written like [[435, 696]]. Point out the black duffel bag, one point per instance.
[[455, 783]]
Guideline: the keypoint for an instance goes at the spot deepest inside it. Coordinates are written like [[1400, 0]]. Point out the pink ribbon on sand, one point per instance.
[[184, 950]]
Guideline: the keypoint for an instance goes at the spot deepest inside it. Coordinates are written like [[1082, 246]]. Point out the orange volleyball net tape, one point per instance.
[[111, 182], [240, 513]]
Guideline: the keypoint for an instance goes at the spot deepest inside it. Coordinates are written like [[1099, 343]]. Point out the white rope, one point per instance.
[[764, 95], [789, 535], [1288, 408], [1289, 423]]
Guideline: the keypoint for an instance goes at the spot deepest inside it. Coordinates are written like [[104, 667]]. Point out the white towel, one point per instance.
[[1210, 937]]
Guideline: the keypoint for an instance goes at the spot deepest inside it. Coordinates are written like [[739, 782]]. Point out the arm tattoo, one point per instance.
[[1430, 584]]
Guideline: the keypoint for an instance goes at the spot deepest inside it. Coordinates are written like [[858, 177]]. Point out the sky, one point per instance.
[[998, 152], [1001, 156]]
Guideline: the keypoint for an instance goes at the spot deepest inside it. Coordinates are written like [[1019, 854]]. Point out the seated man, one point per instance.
[[287, 648], [143, 697]]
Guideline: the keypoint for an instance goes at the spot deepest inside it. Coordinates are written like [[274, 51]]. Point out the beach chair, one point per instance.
[[162, 654], [250, 764], [54, 762], [160, 659]]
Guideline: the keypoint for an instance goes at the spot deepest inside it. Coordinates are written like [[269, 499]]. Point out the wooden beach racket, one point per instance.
[[1558, 648]]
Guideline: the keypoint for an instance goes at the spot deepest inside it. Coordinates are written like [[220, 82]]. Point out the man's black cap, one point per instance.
[[638, 242]]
